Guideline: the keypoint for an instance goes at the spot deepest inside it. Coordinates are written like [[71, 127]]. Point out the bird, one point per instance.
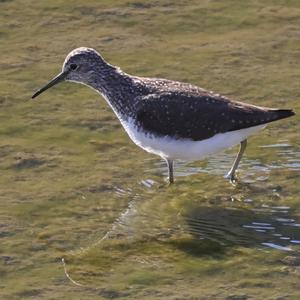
[[172, 119]]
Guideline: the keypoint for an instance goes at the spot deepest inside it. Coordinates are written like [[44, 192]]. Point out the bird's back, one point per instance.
[[182, 110]]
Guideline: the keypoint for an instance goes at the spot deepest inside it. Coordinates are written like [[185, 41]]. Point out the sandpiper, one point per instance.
[[172, 119]]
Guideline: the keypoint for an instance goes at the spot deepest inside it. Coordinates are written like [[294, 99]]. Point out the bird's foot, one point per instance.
[[232, 178], [170, 182]]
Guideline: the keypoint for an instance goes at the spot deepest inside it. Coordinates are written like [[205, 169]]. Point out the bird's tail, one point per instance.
[[278, 114]]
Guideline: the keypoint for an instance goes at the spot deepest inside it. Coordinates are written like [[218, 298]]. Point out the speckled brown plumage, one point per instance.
[[164, 107], [199, 115], [169, 118]]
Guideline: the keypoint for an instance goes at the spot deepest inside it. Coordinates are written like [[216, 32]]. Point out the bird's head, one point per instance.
[[79, 66]]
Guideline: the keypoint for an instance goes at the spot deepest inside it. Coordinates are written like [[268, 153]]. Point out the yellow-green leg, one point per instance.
[[231, 173], [170, 170]]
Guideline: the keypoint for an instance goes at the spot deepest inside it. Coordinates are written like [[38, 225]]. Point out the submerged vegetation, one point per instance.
[[73, 185]]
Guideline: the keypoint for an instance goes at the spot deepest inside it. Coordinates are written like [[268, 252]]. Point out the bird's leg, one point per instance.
[[231, 173], [170, 170]]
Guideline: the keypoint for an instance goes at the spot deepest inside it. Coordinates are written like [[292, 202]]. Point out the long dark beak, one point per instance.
[[59, 78]]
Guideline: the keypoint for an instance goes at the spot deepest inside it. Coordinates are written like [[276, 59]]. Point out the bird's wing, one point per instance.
[[198, 116]]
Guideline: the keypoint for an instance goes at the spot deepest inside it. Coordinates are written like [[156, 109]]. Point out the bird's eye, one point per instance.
[[73, 67]]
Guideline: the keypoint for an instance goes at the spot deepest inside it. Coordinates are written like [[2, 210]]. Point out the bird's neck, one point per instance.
[[116, 87]]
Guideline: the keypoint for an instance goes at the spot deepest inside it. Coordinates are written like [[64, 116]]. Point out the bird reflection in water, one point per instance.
[[268, 226]]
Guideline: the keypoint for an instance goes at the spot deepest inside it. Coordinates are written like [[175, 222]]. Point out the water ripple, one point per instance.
[[269, 227]]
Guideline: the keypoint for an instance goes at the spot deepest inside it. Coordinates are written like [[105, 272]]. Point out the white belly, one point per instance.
[[187, 149]]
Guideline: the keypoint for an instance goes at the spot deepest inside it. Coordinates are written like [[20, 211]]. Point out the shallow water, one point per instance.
[[85, 214], [151, 241]]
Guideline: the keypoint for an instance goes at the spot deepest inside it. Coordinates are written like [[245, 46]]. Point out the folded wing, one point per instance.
[[200, 116]]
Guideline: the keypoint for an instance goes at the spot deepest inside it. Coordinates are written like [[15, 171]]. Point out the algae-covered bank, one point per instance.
[[74, 187]]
